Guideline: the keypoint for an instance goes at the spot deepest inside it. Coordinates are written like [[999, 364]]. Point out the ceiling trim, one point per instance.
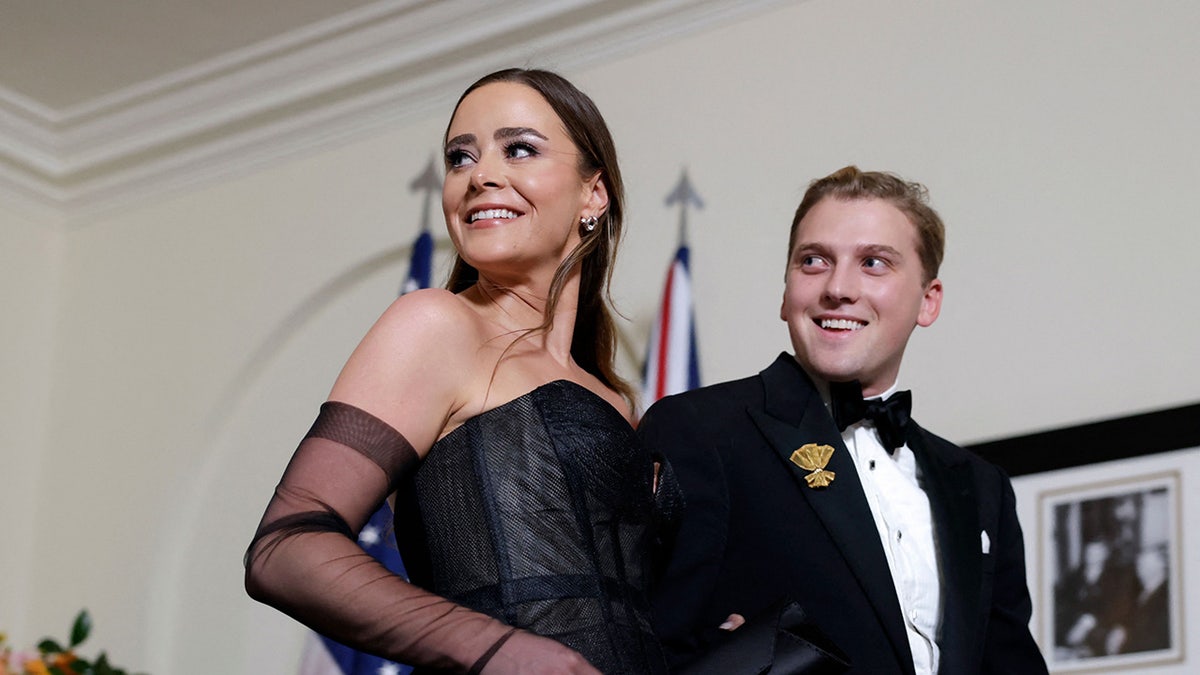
[[361, 70]]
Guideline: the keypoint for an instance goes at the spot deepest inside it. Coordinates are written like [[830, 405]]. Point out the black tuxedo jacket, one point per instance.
[[753, 532]]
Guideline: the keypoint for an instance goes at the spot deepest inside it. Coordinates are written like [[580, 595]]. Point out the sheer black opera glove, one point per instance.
[[305, 559]]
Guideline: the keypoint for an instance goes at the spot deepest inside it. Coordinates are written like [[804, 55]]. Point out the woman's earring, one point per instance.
[[587, 225]]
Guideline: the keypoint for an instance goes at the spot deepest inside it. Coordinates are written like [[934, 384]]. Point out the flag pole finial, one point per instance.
[[684, 195], [428, 182]]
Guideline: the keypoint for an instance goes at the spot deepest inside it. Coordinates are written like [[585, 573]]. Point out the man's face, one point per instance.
[[1151, 569], [855, 291], [1095, 555]]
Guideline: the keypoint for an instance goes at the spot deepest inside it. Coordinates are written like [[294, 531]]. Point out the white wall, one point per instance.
[[29, 263], [1057, 139], [205, 329], [199, 331]]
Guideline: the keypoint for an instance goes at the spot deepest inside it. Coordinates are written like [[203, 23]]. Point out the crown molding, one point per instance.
[[358, 71]]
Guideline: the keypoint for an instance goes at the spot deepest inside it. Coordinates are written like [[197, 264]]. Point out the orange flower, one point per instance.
[[63, 662], [36, 667]]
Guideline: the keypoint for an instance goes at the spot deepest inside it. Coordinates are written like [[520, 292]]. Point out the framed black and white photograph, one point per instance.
[[1104, 507], [1111, 573]]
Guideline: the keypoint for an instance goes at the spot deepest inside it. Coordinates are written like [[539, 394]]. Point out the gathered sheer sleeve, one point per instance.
[[305, 559]]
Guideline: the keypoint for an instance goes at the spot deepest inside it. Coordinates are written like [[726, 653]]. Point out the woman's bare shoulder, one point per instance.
[[416, 365], [429, 309]]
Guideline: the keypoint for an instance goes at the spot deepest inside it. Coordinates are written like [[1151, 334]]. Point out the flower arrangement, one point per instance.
[[52, 658]]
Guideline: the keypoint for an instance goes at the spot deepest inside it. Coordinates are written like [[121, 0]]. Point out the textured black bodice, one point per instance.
[[540, 513]]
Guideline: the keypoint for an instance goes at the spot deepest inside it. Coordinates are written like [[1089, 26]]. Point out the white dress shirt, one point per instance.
[[892, 483]]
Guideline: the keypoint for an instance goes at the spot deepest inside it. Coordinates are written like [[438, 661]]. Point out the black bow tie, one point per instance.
[[890, 417]]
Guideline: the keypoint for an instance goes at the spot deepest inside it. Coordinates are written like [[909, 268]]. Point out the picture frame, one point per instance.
[[1108, 440], [1111, 574], [1110, 490]]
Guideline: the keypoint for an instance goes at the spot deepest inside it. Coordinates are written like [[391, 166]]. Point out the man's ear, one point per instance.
[[931, 304]]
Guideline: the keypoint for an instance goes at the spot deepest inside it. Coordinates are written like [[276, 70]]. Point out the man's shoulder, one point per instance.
[[714, 396], [719, 390], [940, 442], [703, 412], [954, 453]]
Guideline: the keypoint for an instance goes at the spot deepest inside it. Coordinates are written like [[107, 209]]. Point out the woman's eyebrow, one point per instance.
[[510, 132]]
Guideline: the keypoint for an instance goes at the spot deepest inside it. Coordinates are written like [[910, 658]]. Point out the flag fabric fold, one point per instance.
[[420, 266], [672, 364]]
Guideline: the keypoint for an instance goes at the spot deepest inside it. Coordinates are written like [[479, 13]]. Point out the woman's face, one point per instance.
[[513, 195]]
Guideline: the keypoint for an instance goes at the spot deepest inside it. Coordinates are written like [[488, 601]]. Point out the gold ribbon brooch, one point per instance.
[[813, 457]]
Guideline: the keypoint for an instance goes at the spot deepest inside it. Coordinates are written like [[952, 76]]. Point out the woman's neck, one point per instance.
[[518, 307]]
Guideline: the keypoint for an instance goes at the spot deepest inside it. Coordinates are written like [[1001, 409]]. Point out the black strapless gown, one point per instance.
[[540, 513]]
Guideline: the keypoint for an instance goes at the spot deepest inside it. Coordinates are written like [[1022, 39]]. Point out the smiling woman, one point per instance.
[[514, 194], [594, 347], [491, 415]]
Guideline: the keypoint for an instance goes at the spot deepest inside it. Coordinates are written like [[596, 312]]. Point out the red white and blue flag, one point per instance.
[[672, 364]]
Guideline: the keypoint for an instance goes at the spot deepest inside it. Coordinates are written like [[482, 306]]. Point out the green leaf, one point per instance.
[[81, 628], [48, 646]]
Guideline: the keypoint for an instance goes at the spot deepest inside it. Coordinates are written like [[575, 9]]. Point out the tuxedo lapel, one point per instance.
[[795, 415], [947, 480]]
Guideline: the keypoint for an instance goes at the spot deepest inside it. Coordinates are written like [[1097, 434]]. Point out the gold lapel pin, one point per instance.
[[813, 457]]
